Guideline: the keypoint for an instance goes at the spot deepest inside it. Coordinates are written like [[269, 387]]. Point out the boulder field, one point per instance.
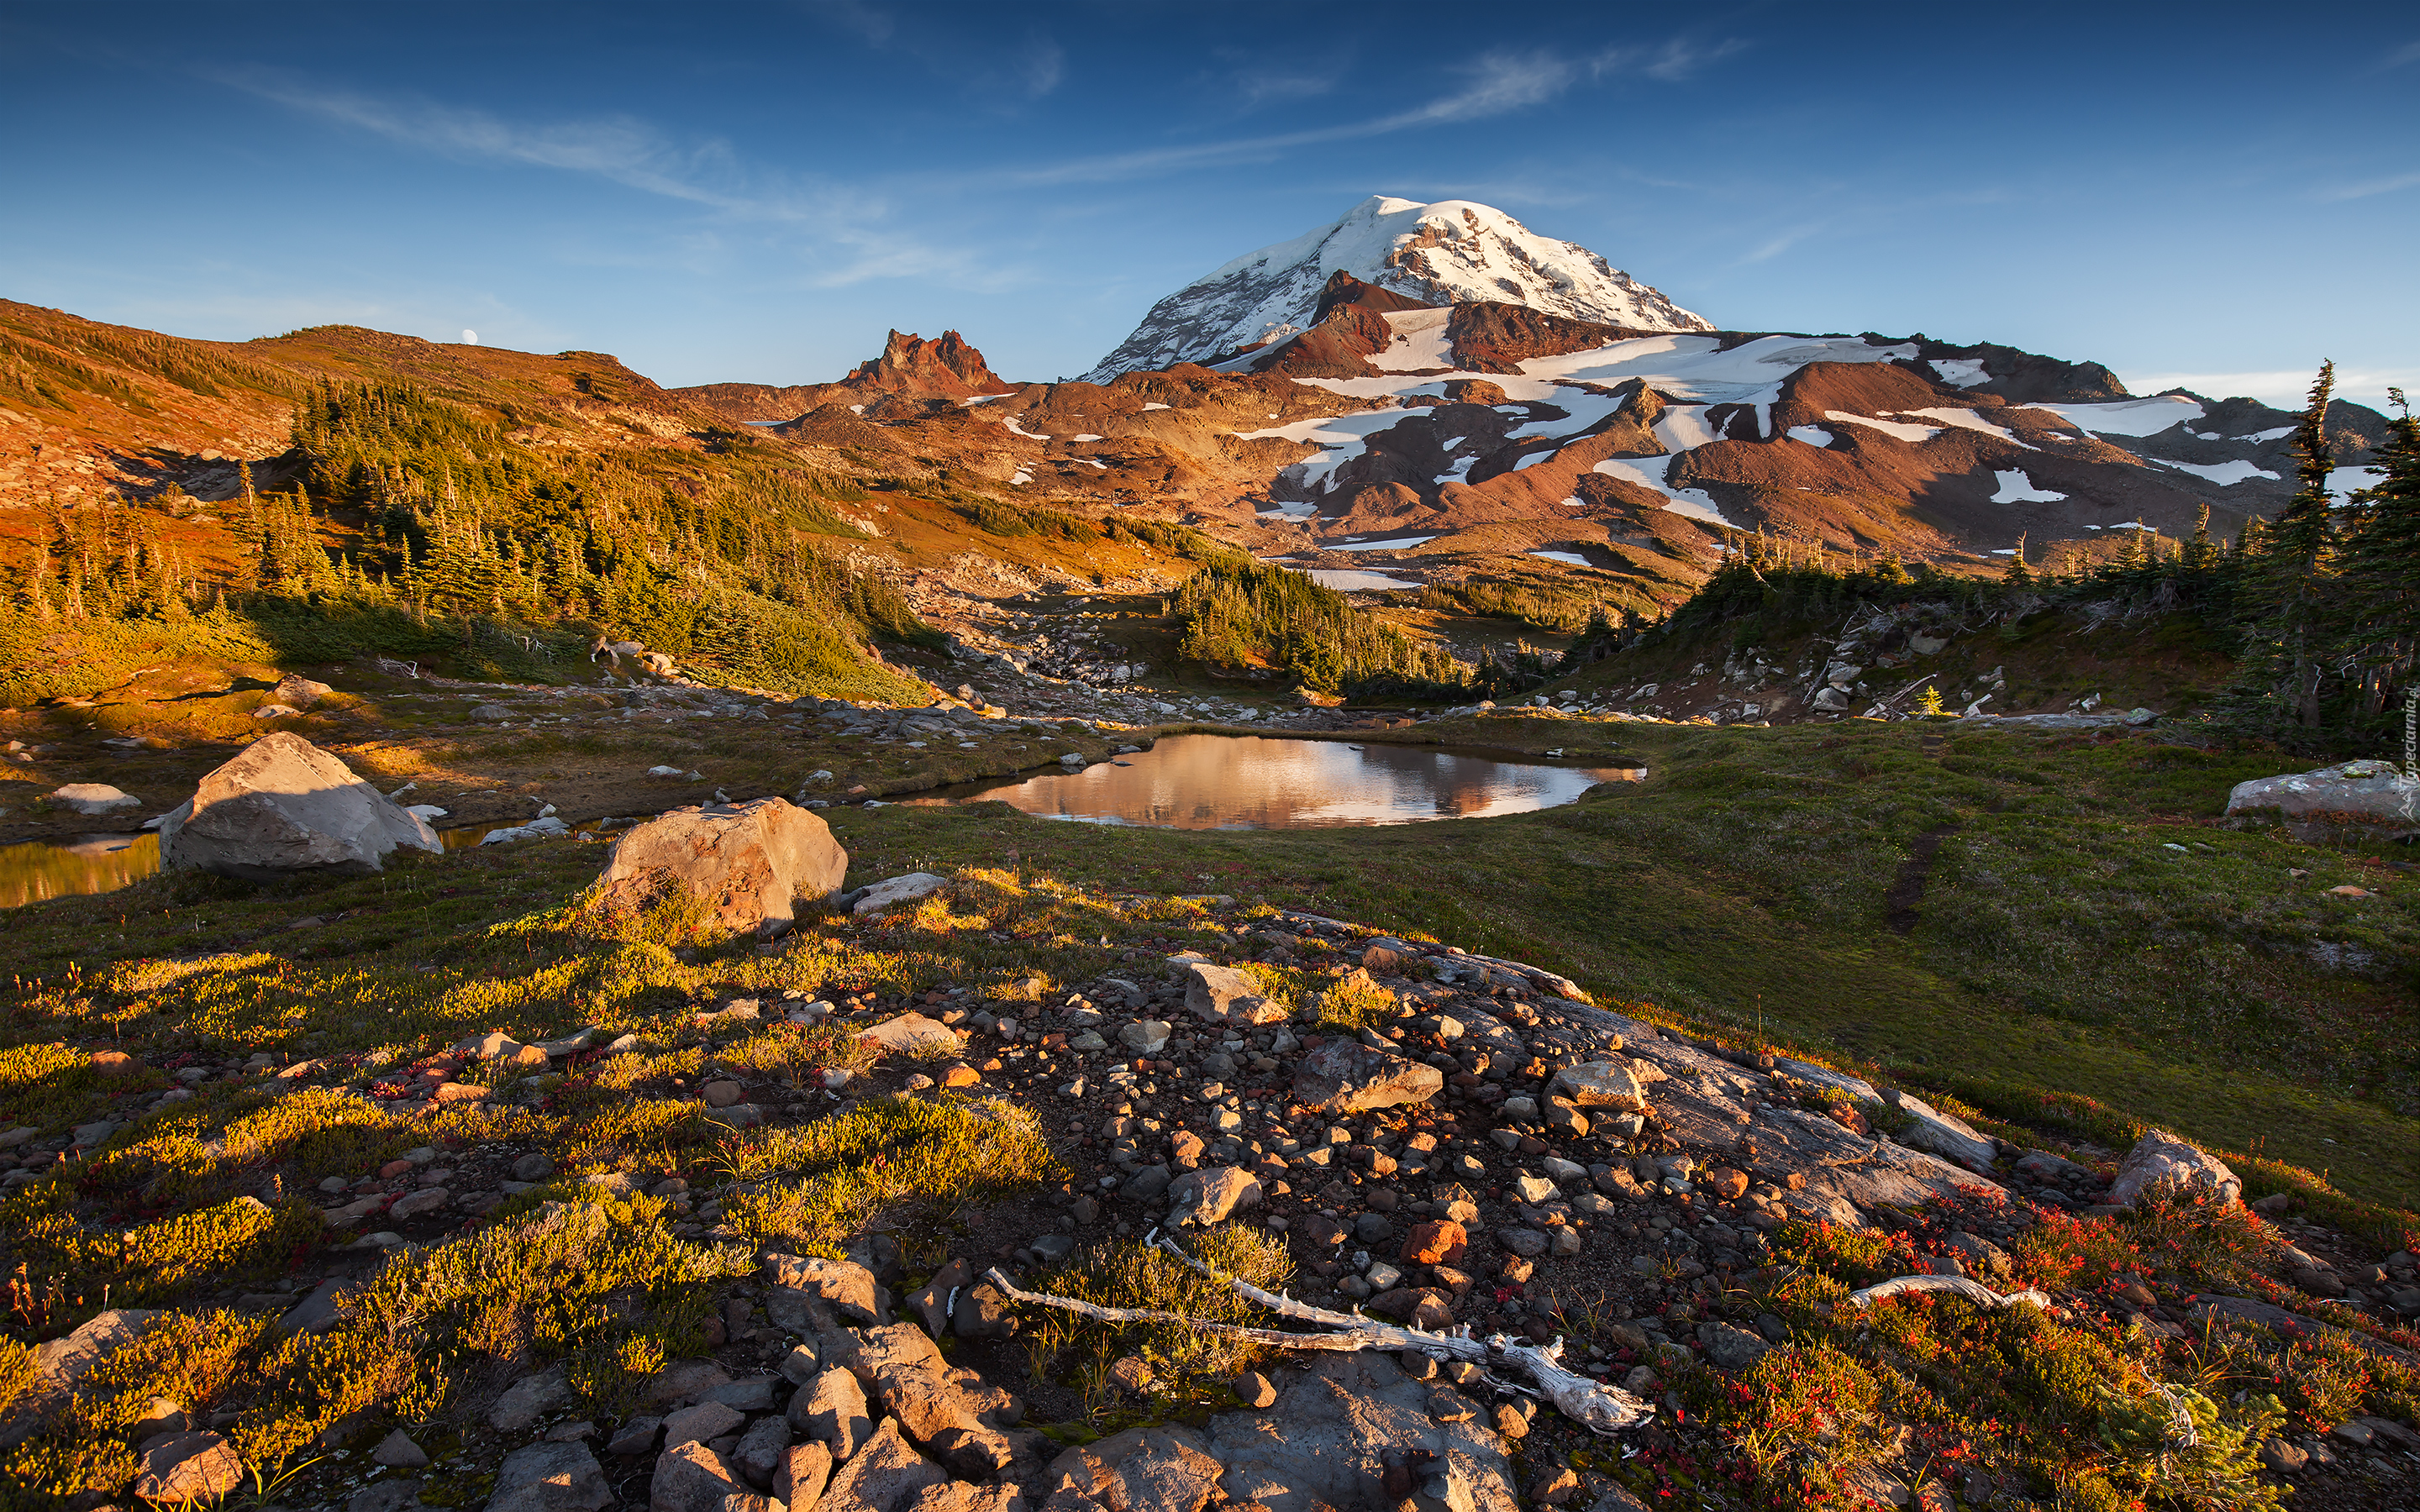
[[1488, 1140]]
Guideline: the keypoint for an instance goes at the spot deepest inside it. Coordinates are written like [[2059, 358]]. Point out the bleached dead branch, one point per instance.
[[1599, 1408]]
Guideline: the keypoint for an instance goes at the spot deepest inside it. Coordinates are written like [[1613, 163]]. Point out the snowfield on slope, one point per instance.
[[1454, 251], [1693, 370]]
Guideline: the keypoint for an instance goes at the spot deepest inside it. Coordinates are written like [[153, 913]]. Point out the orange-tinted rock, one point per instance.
[[1439, 1242], [749, 863]]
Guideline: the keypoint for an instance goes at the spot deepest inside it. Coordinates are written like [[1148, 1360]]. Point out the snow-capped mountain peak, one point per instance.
[[1449, 252]]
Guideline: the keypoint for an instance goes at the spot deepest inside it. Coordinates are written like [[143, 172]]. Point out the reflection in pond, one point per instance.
[[90, 863], [33, 870], [1254, 782]]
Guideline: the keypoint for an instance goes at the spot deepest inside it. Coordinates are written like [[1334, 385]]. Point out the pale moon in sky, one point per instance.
[[470, 338]]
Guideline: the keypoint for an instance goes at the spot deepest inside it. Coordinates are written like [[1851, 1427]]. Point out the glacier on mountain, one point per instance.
[[1452, 251]]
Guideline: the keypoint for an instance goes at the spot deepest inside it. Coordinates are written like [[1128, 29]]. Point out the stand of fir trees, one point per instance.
[[460, 537]]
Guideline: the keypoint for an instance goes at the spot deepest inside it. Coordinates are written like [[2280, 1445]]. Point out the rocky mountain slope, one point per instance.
[[1567, 429], [1449, 252]]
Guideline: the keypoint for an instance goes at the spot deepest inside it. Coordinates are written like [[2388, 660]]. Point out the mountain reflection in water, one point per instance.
[[1255, 782]]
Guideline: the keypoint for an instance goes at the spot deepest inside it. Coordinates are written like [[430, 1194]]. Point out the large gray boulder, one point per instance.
[[748, 862], [2364, 791], [285, 807]]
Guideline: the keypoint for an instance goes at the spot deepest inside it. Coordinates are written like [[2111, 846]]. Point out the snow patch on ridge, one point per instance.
[[2127, 417], [1650, 472], [2225, 474], [2017, 489], [1419, 342]]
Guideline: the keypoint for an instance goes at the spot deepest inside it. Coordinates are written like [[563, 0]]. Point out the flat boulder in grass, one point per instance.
[[285, 807], [748, 862], [2160, 1156], [299, 690], [1347, 1076], [2371, 792], [891, 892], [94, 799]]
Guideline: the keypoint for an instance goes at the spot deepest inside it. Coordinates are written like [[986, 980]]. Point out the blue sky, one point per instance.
[[2211, 195]]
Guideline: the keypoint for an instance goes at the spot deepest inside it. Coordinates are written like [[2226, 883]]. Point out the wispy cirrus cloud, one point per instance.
[[1670, 62], [846, 234], [1496, 83], [2366, 188]]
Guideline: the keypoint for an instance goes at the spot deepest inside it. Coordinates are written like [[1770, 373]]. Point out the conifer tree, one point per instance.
[[2380, 577], [2297, 561]]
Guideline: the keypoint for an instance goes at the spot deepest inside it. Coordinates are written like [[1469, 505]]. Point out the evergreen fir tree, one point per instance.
[[2381, 577], [2300, 544]]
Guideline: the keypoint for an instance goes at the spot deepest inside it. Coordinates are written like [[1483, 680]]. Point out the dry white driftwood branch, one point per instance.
[[1971, 1291], [1598, 1408]]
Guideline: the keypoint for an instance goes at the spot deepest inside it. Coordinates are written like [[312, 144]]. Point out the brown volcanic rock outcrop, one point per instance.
[[1497, 338], [948, 368], [1338, 347], [1344, 289]]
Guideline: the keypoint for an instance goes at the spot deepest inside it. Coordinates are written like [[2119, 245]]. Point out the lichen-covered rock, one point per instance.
[[2160, 1156], [749, 863], [527, 1399], [1324, 1442], [285, 807], [61, 1365]]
